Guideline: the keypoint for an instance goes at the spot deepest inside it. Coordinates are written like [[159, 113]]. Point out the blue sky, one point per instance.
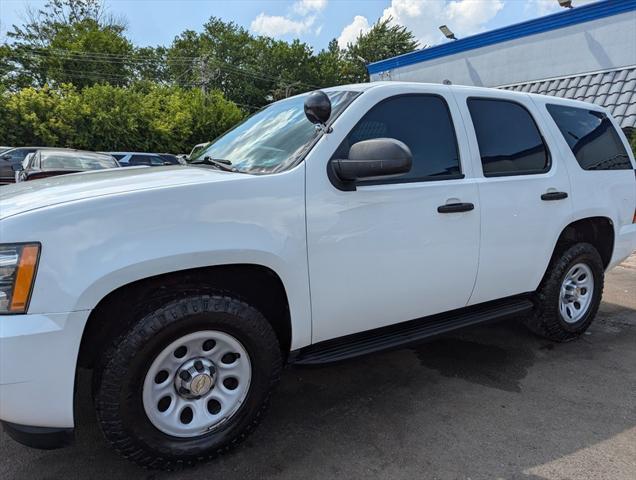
[[157, 22]]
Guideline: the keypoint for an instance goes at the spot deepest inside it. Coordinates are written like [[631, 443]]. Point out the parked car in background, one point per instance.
[[135, 159], [52, 162], [11, 159], [197, 149], [173, 159], [18, 169]]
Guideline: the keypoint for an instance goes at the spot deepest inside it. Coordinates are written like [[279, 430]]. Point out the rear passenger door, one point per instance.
[[524, 192]]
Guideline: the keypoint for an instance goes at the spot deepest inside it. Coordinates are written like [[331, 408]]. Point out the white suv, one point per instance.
[[325, 226]]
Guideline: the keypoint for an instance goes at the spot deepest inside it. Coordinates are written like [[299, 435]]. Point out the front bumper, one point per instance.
[[38, 360]]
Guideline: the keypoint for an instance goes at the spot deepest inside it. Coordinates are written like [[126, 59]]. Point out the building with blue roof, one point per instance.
[[585, 53]]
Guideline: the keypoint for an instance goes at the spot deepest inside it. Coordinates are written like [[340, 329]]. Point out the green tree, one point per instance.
[[67, 41], [220, 57], [151, 64], [330, 65], [249, 70], [384, 40]]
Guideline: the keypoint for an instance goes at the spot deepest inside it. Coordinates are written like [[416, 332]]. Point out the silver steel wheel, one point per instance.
[[196, 383], [577, 291]]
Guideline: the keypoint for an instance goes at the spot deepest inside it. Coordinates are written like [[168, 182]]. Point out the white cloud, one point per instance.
[[470, 16], [300, 20], [350, 33], [423, 17], [303, 7], [276, 25]]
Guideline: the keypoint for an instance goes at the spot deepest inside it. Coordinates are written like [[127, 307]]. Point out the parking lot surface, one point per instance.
[[490, 402]]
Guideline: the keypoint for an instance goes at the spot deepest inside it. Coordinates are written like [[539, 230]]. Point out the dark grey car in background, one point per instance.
[[53, 162], [13, 158], [135, 159]]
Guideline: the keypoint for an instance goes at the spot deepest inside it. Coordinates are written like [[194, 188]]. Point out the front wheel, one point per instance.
[[188, 382], [569, 295]]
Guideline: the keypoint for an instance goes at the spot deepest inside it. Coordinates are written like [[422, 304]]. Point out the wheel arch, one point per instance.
[[258, 285], [595, 230]]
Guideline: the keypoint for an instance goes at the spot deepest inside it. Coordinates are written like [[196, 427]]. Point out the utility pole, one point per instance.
[[289, 87], [203, 73]]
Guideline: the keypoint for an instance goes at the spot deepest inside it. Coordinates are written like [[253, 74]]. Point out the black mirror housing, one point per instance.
[[318, 108], [17, 167], [371, 159]]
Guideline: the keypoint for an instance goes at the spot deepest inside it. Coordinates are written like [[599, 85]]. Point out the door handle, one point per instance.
[[554, 196], [455, 207]]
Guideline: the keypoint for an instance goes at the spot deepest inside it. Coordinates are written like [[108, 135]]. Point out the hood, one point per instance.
[[32, 195]]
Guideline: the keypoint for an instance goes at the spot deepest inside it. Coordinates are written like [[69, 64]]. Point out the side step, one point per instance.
[[403, 334]]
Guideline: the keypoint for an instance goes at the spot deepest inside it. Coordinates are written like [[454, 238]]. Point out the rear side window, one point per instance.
[[592, 138], [423, 123], [509, 141]]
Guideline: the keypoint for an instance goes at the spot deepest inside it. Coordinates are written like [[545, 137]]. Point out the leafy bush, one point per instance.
[[144, 117]]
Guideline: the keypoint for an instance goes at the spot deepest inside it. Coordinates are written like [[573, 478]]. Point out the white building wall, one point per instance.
[[602, 44]]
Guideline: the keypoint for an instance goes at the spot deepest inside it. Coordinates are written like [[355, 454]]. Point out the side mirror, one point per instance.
[[17, 167], [370, 159], [318, 107]]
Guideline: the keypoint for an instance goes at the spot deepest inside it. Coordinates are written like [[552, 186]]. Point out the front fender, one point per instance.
[[94, 246]]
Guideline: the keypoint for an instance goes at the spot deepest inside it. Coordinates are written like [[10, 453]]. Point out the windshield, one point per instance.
[[74, 161], [273, 138]]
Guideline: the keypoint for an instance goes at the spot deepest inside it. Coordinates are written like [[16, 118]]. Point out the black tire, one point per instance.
[[547, 320], [122, 369]]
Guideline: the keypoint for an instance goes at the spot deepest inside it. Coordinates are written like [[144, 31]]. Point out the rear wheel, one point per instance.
[[188, 382], [569, 295]]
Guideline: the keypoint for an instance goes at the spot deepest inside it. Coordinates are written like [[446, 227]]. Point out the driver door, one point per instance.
[[383, 253]]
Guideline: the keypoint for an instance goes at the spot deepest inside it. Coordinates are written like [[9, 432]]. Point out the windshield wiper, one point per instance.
[[219, 163]]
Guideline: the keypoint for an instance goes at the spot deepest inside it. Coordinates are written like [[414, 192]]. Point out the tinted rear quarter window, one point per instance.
[[423, 123], [509, 140], [592, 138]]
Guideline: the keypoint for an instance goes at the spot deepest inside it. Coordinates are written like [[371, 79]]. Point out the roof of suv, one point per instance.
[[399, 85]]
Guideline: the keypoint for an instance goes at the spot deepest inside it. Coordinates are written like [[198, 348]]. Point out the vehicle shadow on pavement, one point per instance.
[[489, 402]]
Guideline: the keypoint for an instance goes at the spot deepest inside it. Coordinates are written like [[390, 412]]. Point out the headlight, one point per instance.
[[18, 264]]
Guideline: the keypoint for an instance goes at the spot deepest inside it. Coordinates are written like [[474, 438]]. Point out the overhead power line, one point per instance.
[[79, 74], [136, 60]]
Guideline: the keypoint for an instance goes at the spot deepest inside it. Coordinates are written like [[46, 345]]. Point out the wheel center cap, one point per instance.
[[201, 384], [195, 378]]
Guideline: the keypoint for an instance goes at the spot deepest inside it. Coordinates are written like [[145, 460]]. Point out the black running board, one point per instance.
[[406, 333]]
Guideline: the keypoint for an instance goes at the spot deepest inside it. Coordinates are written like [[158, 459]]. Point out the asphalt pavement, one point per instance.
[[490, 402]]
